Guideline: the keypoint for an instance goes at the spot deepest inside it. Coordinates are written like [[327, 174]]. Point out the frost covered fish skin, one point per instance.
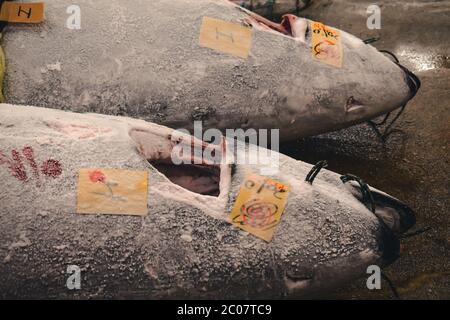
[[184, 247], [143, 60]]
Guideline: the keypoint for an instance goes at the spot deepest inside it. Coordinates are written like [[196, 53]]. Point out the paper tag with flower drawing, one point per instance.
[[112, 191], [326, 44], [226, 37], [259, 206]]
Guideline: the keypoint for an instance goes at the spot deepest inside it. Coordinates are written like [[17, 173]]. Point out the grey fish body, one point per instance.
[[144, 61], [184, 247]]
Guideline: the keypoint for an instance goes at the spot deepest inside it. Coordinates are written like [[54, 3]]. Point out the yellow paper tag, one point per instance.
[[112, 191], [226, 37], [22, 12], [326, 44], [259, 206]]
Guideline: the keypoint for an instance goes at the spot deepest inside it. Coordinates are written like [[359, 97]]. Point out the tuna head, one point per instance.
[[272, 9], [183, 245], [393, 217], [334, 228], [316, 96]]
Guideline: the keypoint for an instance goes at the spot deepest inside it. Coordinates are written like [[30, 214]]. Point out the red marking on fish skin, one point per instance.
[[15, 165], [28, 152], [51, 168]]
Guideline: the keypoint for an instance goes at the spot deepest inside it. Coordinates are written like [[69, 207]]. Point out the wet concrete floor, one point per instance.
[[413, 164]]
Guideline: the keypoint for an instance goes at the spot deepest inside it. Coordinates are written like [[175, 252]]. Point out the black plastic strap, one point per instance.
[[315, 171], [365, 190]]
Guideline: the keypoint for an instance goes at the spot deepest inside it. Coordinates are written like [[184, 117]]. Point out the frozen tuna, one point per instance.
[[183, 246], [144, 60]]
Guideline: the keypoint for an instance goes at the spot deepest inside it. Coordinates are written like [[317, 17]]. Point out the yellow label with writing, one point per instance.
[[226, 37], [22, 12], [259, 206], [112, 191], [326, 44]]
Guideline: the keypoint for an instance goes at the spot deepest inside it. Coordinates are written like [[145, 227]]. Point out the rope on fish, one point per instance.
[[365, 190], [315, 171], [414, 82], [371, 40], [387, 131], [391, 54], [414, 85], [416, 233], [367, 197]]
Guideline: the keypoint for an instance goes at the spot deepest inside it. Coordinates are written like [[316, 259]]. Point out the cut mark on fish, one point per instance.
[[226, 37], [326, 44], [78, 131], [181, 159], [112, 191], [22, 12], [201, 179], [259, 206], [202, 182]]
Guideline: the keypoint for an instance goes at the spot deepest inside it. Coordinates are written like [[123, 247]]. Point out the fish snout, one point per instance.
[[387, 86], [397, 216], [412, 81], [395, 219], [389, 246], [394, 216]]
